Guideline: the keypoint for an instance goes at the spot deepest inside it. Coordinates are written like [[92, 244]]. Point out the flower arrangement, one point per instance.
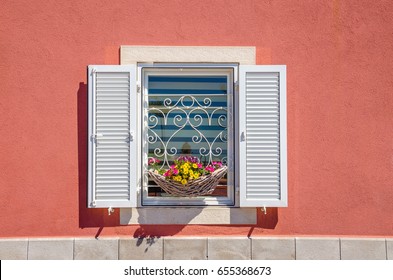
[[187, 176], [185, 169]]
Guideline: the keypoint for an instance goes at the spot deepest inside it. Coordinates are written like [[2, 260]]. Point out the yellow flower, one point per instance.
[[196, 175], [184, 181], [185, 171], [194, 165]]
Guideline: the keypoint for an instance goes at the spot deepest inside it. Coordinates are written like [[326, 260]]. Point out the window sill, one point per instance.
[[188, 215]]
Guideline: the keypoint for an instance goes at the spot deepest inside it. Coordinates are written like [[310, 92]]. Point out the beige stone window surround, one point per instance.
[[187, 54]]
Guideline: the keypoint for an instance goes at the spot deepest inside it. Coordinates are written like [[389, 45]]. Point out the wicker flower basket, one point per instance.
[[202, 186]]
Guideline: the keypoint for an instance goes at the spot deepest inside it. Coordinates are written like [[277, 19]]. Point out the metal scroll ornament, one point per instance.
[[199, 124]]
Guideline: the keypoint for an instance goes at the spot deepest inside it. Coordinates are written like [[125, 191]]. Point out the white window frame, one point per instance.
[[230, 70]]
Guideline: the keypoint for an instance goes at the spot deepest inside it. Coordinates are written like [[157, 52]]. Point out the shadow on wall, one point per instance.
[[268, 220], [88, 217], [146, 230]]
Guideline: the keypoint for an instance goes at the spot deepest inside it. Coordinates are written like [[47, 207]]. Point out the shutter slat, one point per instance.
[[262, 121]]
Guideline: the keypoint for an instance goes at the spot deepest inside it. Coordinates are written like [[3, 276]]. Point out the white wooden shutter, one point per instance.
[[262, 136], [112, 135]]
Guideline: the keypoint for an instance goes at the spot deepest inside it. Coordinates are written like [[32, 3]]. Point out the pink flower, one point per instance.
[[209, 168], [175, 171], [200, 165], [153, 161], [188, 159]]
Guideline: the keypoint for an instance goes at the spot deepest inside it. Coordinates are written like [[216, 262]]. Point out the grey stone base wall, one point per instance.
[[197, 248]]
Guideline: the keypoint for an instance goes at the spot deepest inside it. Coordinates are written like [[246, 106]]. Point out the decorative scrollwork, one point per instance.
[[197, 121]]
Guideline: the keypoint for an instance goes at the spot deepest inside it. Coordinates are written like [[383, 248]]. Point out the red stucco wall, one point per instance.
[[340, 99]]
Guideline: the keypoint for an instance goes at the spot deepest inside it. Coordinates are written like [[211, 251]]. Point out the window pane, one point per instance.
[[187, 115]]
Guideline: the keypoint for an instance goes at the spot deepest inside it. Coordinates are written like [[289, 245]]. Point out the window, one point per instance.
[[188, 111], [132, 118]]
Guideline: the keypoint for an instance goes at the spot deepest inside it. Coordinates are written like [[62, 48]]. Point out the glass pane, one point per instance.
[[187, 116]]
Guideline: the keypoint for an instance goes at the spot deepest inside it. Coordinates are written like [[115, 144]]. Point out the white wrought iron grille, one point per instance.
[[187, 115]]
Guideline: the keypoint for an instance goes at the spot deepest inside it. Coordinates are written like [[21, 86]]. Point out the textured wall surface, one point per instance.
[[340, 99]]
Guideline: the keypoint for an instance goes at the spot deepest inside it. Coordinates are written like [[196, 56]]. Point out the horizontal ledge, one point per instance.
[[188, 215]]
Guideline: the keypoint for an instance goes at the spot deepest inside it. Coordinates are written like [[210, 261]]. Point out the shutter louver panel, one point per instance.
[[112, 145], [262, 124], [111, 96]]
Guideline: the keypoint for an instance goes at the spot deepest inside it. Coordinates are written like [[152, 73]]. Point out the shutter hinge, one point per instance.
[[94, 137], [236, 86], [263, 209], [93, 70], [93, 204], [242, 137], [138, 88]]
